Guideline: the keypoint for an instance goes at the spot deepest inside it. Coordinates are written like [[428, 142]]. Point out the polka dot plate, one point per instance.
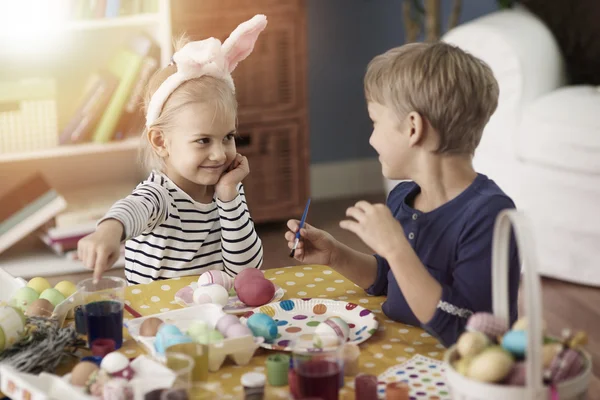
[[298, 317], [424, 376], [234, 304]]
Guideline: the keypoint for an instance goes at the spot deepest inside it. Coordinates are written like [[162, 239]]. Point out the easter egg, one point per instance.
[[549, 351], [39, 284], [516, 376], [566, 365], [13, 326], [197, 328], [40, 308], [186, 294], [472, 343], [515, 342], [246, 274], [462, 365], [66, 288], [150, 326], [53, 296], [216, 293], [210, 336], [522, 324], [333, 326], [487, 323], [262, 325], [237, 330], [491, 365], [217, 278], [114, 362], [165, 332], [23, 297], [82, 372], [256, 292], [225, 322]]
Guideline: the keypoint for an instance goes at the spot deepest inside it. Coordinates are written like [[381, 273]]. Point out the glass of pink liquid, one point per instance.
[[319, 368]]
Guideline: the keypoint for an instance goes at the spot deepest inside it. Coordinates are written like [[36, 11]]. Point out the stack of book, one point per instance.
[[110, 105]]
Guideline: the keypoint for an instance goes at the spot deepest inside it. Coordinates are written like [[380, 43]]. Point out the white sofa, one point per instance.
[[542, 145]]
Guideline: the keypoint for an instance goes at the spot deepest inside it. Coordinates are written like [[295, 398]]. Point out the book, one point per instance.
[[125, 65], [27, 207], [97, 94]]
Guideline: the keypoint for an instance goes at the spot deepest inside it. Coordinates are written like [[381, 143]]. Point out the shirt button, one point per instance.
[[415, 216], [411, 236]]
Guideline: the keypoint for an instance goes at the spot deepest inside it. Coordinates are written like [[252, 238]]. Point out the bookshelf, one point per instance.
[[69, 168]]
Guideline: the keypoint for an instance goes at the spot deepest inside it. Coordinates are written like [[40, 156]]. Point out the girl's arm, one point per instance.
[[240, 245]]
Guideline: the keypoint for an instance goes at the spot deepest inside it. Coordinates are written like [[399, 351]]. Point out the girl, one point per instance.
[[190, 215]]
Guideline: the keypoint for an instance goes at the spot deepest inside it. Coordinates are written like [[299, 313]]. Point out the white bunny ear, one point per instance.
[[240, 43]]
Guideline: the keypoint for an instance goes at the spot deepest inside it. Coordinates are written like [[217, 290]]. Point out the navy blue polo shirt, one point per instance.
[[454, 242]]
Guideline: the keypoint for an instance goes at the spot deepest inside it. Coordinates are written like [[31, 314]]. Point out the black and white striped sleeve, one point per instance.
[[241, 247], [141, 211]]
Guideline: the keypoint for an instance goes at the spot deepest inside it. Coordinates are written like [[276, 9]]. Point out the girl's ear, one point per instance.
[[158, 141], [241, 42]]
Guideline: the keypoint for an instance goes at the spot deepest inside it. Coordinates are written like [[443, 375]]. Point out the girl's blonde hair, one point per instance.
[[205, 89]]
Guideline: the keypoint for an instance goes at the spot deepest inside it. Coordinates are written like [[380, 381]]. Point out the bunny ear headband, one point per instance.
[[208, 57]]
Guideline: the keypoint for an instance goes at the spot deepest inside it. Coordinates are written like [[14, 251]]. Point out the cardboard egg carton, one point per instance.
[[239, 350]]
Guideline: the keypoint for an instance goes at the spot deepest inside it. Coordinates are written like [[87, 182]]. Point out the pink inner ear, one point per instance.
[[242, 48]]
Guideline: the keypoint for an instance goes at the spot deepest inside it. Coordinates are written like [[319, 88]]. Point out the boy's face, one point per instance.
[[201, 147], [390, 142]]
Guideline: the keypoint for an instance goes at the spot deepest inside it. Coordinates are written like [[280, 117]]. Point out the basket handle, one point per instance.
[[500, 253]]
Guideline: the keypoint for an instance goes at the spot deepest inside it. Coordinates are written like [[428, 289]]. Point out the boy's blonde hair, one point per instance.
[[455, 91], [205, 89]]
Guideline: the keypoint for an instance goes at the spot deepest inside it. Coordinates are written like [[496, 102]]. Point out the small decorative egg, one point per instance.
[[150, 326], [39, 284], [40, 308], [216, 277], [566, 365], [262, 325], [186, 294], [81, 373], [225, 322], [23, 297], [517, 374], [53, 296], [237, 330], [487, 323], [114, 362], [197, 328], [210, 336], [334, 326], [14, 329], [521, 325], [255, 291], [66, 288], [472, 343], [215, 293], [515, 342], [246, 274], [462, 365], [491, 365], [165, 331]]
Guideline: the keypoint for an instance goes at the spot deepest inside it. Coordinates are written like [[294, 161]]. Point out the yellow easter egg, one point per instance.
[[491, 365], [472, 343], [39, 284], [66, 288], [462, 365], [270, 311]]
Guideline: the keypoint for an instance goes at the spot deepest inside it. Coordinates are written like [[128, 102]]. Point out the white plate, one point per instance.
[[234, 304], [296, 318]]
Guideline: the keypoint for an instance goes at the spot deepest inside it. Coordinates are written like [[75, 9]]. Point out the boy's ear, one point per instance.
[[416, 125], [158, 141]]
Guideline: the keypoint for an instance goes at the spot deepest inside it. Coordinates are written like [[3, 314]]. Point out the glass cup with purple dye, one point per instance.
[[102, 305], [318, 363]]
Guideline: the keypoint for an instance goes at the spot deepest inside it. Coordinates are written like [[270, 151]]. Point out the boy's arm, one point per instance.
[[143, 210], [362, 269], [241, 247]]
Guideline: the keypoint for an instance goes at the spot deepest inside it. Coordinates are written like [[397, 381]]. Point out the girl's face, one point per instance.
[[201, 146]]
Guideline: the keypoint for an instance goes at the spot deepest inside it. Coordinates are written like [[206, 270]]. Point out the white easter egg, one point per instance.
[[217, 294], [333, 326], [217, 278], [114, 362]]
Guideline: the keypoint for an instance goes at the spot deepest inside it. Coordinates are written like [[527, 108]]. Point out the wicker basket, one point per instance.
[[463, 388]]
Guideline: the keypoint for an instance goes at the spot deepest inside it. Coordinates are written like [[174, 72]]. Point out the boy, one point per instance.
[[429, 103]]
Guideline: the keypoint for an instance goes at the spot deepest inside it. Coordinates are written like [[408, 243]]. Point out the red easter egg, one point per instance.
[[256, 292], [246, 275]]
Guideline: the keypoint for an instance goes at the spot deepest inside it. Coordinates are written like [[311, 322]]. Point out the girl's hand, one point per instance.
[[100, 250], [226, 187]]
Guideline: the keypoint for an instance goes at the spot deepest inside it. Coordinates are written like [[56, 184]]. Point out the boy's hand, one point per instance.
[[226, 187], [376, 226], [100, 250], [315, 246]]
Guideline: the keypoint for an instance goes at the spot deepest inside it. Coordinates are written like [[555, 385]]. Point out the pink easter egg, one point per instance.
[[216, 277], [566, 365], [186, 294], [256, 292], [225, 322], [247, 274], [237, 330], [487, 323]]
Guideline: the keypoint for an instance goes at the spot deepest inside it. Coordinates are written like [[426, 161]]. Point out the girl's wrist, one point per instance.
[[227, 194]]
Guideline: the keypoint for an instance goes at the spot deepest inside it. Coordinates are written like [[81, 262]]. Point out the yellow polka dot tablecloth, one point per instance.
[[393, 343]]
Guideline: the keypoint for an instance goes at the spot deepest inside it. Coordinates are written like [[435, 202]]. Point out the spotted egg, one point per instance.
[[211, 293]]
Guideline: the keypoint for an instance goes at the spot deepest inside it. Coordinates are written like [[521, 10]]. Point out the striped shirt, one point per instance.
[[169, 235]]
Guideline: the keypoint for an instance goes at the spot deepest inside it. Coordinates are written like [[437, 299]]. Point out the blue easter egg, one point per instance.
[[515, 342], [262, 325], [166, 336]]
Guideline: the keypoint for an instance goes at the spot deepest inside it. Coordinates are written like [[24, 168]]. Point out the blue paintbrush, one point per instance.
[[300, 227]]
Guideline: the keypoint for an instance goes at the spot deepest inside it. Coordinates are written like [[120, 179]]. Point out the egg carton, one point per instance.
[[240, 350]]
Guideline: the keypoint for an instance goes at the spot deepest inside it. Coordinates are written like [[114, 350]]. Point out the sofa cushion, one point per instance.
[[562, 129]]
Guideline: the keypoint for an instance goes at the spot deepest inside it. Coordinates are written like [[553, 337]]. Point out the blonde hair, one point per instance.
[[455, 91], [205, 89]]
